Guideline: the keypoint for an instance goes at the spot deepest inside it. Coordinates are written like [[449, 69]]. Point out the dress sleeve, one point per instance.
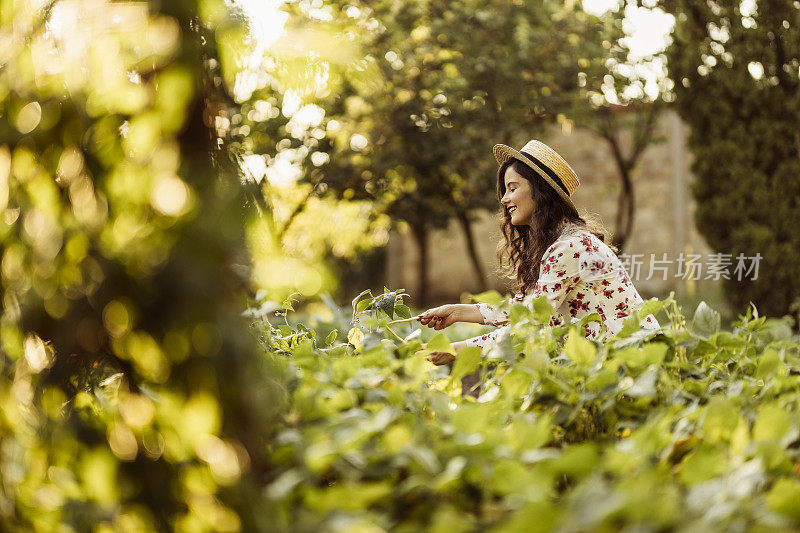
[[597, 262], [494, 316], [487, 338]]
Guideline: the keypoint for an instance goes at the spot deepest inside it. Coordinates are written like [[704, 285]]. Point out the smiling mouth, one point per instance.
[[511, 209]]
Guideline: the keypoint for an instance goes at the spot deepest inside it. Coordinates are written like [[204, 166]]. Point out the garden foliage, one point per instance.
[[691, 427]]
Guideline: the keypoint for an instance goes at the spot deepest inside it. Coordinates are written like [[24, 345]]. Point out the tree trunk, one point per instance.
[[421, 236], [625, 210], [466, 227], [631, 206], [643, 131]]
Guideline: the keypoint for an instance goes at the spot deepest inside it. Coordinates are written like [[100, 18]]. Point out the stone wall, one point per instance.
[[663, 220]]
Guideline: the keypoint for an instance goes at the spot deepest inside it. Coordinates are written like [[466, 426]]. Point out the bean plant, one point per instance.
[[686, 428]]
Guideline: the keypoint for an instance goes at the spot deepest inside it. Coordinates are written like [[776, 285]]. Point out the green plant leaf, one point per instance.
[[768, 362], [653, 306], [365, 295], [439, 343], [466, 361], [601, 380], [706, 321], [594, 317], [644, 356], [386, 303], [517, 312], [362, 306], [581, 351], [347, 496], [645, 385], [702, 464], [489, 297], [577, 460], [629, 326], [784, 498], [331, 337], [542, 309], [402, 310]]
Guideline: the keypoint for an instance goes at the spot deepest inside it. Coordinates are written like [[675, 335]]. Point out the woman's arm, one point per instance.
[[482, 340], [447, 315], [458, 345]]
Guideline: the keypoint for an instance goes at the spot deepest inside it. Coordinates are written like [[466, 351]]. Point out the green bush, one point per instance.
[[132, 396], [685, 428], [737, 87]]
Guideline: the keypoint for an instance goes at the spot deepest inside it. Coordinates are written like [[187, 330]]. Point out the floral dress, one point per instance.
[[580, 275]]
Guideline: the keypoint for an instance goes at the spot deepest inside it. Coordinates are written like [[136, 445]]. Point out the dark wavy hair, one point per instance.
[[520, 251]]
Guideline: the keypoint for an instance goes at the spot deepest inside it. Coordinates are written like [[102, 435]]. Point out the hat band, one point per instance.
[[547, 170]]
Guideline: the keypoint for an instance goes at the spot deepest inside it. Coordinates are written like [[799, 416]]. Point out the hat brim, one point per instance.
[[503, 153]]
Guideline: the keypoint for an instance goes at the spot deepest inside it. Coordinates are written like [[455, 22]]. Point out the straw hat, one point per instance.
[[546, 163]]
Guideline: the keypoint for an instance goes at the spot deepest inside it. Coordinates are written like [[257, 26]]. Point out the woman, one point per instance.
[[550, 250]]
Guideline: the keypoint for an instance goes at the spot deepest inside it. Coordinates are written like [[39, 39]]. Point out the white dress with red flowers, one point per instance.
[[579, 275]]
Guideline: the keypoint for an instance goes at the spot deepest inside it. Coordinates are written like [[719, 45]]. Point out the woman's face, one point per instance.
[[517, 198]]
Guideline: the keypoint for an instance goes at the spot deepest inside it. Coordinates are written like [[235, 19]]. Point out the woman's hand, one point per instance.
[[443, 358], [440, 317]]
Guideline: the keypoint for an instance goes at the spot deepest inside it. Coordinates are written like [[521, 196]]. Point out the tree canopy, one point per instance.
[[456, 78], [736, 69], [131, 392]]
